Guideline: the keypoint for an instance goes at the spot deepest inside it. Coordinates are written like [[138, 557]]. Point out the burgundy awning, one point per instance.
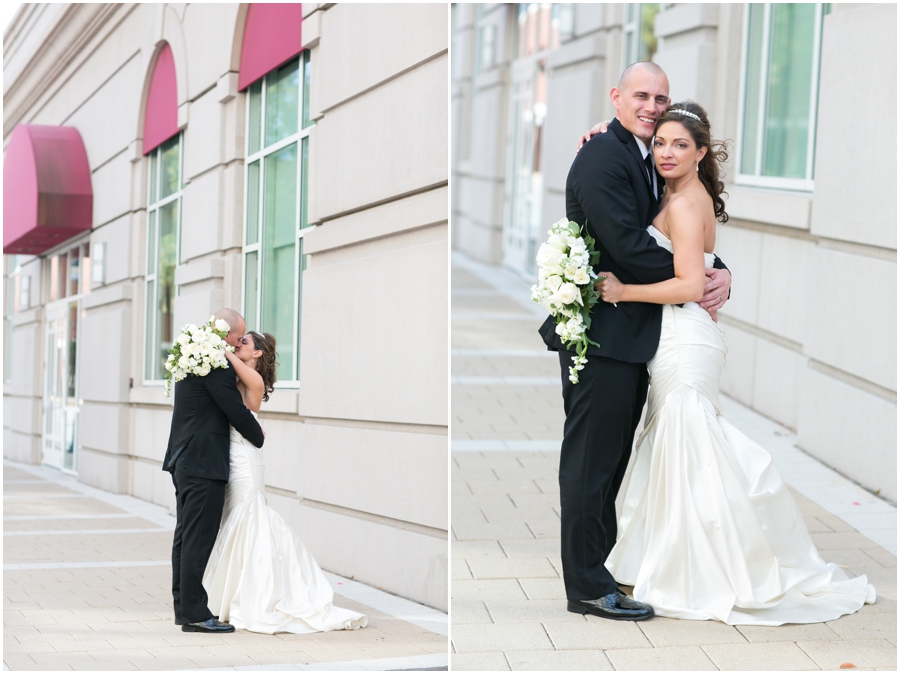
[[161, 112], [271, 37], [47, 196]]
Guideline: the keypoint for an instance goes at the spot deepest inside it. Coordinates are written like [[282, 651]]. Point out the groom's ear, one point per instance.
[[614, 94]]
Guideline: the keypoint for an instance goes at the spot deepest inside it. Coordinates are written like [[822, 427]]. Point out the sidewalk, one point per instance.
[[507, 595], [87, 586]]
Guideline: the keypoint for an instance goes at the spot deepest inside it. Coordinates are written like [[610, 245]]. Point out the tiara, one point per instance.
[[688, 113]]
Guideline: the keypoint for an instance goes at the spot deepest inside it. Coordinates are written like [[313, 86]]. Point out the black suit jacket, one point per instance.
[[204, 409], [607, 189]]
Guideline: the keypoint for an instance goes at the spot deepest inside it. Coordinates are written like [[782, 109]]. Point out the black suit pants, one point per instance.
[[602, 413], [198, 516]]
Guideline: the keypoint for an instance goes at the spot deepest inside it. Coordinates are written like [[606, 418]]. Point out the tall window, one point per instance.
[[486, 40], [539, 27], [278, 128], [163, 237], [640, 40], [562, 23], [67, 274], [780, 87]]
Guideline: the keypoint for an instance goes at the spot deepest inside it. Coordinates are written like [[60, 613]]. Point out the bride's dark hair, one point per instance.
[[710, 166], [266, 364]]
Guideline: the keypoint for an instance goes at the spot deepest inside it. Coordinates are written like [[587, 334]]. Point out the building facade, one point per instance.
[[812, 239], [261, 157]]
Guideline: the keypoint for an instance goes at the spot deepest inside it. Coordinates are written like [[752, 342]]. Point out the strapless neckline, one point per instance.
[[666, 242]]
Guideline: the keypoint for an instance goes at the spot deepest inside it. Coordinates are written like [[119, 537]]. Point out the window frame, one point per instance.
[[635, 27], [301, 207], [151, 272], [755, 179]]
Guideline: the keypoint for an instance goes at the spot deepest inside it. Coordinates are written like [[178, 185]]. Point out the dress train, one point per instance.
[[260, 577]]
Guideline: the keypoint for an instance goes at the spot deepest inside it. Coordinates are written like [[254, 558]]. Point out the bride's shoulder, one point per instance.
[[686, 205], [686, 215]]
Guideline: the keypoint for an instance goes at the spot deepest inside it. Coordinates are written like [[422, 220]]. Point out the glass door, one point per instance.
[[524, 184], [60, 438], [54, 414], [69, 274]]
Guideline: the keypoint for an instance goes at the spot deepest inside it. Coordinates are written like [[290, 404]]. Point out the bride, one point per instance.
[[708, 529], [259, 576]]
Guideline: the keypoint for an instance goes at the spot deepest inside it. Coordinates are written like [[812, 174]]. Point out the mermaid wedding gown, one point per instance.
[[708, 529], [259, 576]]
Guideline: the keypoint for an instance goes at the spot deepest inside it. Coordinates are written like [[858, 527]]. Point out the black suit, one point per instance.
[[198, 458], [608, 190]]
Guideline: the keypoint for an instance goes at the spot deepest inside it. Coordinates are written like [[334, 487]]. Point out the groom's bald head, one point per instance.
[[627, 79], [236, 324]]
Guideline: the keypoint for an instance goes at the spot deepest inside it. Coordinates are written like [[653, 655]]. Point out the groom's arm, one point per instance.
[[222, 388], [599, 180]]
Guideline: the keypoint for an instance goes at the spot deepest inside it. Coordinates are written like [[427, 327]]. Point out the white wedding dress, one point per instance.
[[260, 577], [708, 529]]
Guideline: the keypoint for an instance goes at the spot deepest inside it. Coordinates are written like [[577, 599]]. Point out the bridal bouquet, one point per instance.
[[197, 351], [565, 286]]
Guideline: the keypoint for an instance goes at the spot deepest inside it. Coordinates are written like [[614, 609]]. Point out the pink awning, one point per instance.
[[47, 196], [161, 113], [271, 37]]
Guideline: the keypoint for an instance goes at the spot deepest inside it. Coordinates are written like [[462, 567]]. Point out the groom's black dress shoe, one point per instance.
[[211, 625], [180, 621], [615, 606]]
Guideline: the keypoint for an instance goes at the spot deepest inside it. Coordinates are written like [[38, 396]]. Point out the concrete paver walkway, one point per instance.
[[507, 596], [87, 586]]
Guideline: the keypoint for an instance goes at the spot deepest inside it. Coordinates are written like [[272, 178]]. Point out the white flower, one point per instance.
[[568, 293], [581, 277], [575, 326], [549, 257], [553, 283], [558, 242], [222, 326], [184, 339]]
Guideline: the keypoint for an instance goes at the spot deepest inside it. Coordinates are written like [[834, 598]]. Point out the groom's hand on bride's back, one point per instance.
[[716, 291], [600, 127]]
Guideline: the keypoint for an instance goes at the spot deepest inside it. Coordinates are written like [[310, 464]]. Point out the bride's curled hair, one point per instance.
[[266, 364], [710, 167]]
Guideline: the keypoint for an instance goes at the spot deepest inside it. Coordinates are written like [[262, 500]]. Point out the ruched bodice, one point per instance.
[[260, 577], [708, 528], [686, 329], [247, 475]]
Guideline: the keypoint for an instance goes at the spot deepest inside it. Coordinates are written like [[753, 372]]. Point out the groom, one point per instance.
[[198, 458], [614, 188]]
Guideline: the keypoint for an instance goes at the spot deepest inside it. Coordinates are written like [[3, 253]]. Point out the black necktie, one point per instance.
[[649, 164]]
